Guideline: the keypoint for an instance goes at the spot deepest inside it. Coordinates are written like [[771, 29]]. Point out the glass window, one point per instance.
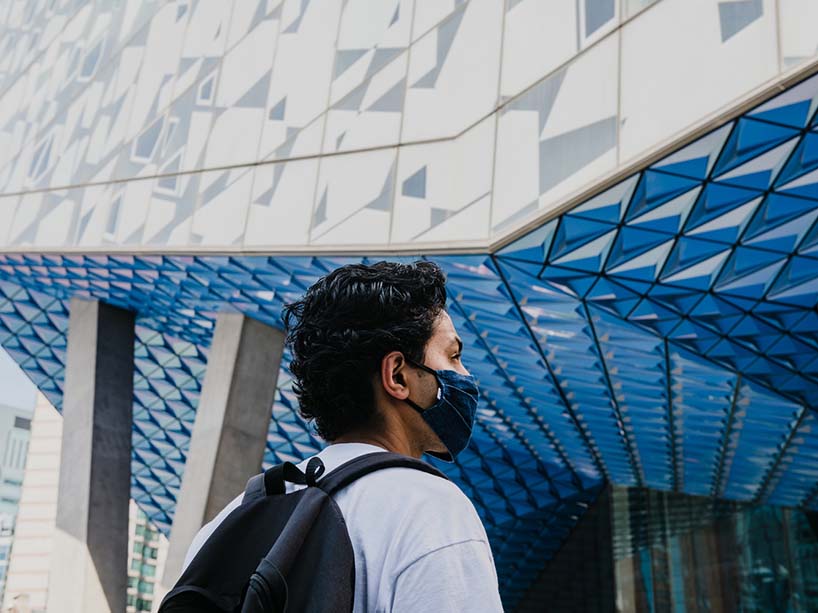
[[597, 14], [682, 553]]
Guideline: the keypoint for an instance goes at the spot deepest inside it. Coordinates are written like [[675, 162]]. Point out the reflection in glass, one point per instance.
[[686, 554]]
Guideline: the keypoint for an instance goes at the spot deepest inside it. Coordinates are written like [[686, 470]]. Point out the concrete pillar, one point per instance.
[[230, 431], [90, 556]]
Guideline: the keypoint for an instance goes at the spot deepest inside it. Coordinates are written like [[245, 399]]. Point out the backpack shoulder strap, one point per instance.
[[268, 483], [358, 467], [272, 481]]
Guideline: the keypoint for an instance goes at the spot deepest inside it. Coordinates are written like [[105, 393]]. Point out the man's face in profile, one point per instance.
[[445, 349]]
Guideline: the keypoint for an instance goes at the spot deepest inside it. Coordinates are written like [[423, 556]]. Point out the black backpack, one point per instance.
[[280, 552]]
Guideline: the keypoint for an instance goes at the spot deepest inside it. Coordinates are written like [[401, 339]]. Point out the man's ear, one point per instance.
[[393, 375]]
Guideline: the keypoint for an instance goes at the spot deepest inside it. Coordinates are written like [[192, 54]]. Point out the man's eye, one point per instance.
[[456, 356]]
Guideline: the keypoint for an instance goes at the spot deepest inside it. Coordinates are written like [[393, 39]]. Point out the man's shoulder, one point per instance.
[[416, 501], [397, 483], [403, 483]]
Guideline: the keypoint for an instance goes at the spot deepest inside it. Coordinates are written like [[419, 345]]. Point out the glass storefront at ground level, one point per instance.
[[644, 550], [686, 554]]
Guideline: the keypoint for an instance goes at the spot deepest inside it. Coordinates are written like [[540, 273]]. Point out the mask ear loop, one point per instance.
[[431, 371]]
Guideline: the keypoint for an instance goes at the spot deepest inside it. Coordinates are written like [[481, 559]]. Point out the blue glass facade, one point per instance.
[[663, 334]]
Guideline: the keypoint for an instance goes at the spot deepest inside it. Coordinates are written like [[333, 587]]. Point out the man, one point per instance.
[[377, 366]]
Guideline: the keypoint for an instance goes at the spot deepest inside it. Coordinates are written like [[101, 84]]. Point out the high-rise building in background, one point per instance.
[[28, 567], [15, 429], [32, 541], [147, 549]]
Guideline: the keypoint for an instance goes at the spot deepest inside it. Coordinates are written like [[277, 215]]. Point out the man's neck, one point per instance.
[[384, 440]]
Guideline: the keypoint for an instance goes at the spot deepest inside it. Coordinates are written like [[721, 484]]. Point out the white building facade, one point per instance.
[[273, 126]]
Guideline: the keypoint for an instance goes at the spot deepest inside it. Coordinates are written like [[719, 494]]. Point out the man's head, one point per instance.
[[360, 338]]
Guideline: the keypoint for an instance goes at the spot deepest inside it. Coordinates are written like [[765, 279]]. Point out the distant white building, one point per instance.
[[27, 580], [15, 430], [32, 540]]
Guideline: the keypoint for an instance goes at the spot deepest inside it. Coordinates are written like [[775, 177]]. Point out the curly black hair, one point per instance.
[[345, 324]]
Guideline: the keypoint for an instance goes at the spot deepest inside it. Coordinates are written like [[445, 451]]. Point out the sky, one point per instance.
[[16, 389]]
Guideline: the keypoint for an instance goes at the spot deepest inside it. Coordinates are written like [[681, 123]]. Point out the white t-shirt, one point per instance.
[[419, 544]]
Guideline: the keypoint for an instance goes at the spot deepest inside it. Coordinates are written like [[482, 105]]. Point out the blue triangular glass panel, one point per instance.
[[803, 161], [657, 318], [678, 299], [735, 363], [759, 172], [778, 209], [632, 242], [716, 200], [608, 206], [807, 329], [691, 251], [694, 336], [654, 189], [635, 285], [574, 232], [809, 244], [801, 389], [755, 334], [716, 314], [533, 247], [797, 284], [752, 285], [588, 256], [750, 139], [810, 369], [793, 107], [791, 353], [698, 276], [570, 282], [783, 317], [668, 217], [531, 269], [728, 227], [696, 160], [746, 260], [724, 353], [645, 266], [612, 297], [785, 237]]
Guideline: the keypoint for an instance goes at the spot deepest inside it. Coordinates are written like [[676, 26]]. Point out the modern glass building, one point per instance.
[[623, 193]]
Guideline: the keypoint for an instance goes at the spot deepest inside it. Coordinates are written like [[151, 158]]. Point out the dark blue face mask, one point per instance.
[[452, 416]]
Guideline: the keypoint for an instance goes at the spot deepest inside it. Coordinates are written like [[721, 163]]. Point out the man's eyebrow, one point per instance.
[[456, 340]]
